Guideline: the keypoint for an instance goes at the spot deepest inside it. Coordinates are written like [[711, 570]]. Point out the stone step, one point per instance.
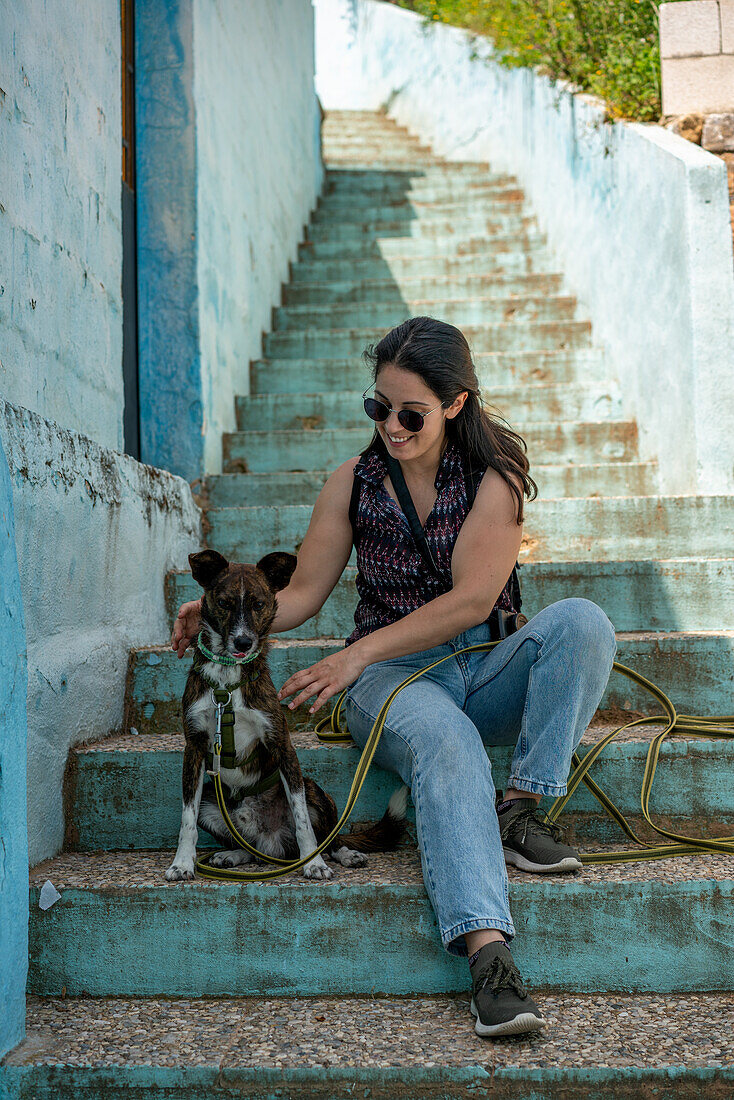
[[357, 291], [375, 159], [599, 1046], [561, 529], [125, 791], [297, 938], [374, 177], [592, 479], [474, 242], [504, 258], [506, 336], [370, 189], [682, 594], [500, 220], [518, 404], [517, 308], [582, 366], [572, 441], [368, 209], [694, 668]]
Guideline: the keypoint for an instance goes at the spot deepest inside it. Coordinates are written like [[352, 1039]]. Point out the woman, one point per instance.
[[537, 689]]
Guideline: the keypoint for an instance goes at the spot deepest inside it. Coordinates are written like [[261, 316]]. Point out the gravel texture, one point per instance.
[[130, 869], [636, 1030]]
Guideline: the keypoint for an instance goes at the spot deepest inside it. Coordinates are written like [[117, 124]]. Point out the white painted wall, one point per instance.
[[60, 224], [95, 533], [638, 217]]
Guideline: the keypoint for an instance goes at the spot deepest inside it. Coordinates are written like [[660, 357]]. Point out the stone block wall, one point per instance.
[[697, 56]]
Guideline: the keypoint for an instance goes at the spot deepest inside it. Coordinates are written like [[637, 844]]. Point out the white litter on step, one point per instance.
[[134, 732], [49, 895]]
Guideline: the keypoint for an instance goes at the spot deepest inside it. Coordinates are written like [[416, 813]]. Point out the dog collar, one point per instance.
[[224, 660]]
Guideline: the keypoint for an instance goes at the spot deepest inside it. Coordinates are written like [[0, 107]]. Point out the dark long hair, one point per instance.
[[440, 355]]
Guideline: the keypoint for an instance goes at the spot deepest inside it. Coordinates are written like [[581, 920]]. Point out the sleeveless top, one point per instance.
[[392, 576]]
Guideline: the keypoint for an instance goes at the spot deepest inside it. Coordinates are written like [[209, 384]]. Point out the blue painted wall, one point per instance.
[[229, 170], [171, 411], [13, 833]]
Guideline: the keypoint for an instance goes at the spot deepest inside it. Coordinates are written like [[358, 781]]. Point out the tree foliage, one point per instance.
[[607, 47]]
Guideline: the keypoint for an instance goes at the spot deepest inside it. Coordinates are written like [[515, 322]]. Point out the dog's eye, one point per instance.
[[223, 604], [257, 605]]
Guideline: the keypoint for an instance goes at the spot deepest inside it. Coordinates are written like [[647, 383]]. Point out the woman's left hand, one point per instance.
[[325, 678]]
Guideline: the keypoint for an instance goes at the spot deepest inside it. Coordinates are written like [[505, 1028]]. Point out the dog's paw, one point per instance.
[[180, 872], [234, 858], [317, 869], [349, 858]]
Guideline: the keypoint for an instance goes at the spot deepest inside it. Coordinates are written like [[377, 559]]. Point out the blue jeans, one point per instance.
[[537, 689]]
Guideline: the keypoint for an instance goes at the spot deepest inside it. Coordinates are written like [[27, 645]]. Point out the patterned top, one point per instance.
[[392, 577]]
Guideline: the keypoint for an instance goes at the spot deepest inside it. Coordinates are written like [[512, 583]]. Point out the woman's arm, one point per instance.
[[324, 552], [321, 560], [485, 552]]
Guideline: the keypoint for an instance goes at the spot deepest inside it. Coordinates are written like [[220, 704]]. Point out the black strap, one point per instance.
[[406, 503]]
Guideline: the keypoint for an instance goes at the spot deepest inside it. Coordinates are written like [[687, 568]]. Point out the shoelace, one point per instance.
[[501, 974], [529, 817]]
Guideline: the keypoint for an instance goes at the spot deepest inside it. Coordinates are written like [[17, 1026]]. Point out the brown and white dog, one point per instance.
[[292, 817]]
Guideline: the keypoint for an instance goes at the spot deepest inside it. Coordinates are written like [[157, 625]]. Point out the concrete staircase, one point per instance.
[[342, 989]]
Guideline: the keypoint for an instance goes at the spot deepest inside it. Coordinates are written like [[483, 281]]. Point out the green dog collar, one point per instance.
[[224, 660]]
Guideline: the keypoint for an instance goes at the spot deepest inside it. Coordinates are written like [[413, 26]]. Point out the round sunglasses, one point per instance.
[[411, 420]]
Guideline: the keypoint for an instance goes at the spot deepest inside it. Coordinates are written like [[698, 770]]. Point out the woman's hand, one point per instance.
[[325, 678], [186, 626]]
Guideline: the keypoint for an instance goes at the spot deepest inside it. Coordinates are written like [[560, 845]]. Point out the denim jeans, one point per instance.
[[537, 689]]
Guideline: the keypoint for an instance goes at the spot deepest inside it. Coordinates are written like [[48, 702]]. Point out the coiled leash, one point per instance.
[[692, 725]]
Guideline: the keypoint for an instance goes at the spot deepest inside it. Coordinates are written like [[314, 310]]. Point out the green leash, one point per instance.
[[688, 724]]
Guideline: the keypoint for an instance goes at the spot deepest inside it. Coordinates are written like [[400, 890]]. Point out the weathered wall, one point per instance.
[[229, 169], [95, 533], [14, 842], [638, 217], [60, 231]]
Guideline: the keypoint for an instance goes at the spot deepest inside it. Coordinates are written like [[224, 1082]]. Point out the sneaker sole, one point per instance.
[[524, 1021], [568, 863]]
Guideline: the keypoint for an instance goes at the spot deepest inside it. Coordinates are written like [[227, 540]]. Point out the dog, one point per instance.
[[293, 815]]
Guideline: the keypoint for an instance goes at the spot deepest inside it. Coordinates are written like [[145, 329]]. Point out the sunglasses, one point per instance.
[[411, 420]]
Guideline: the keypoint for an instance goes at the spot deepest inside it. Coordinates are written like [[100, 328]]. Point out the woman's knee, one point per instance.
[[585, 624]]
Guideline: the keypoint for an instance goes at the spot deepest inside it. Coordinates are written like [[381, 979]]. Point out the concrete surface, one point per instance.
[[60, 217], [95, 532], [14, 842]]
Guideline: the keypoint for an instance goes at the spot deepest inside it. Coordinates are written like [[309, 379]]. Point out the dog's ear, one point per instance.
[[206, 567], [278, 568]]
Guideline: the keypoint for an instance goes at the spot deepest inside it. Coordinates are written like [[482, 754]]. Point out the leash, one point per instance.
[[689, 724]]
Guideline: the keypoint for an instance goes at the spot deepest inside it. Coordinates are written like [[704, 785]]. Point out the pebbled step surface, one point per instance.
[[582, 1030]]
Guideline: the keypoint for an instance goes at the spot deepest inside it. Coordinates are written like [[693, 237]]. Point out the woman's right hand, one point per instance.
[[186, 627]]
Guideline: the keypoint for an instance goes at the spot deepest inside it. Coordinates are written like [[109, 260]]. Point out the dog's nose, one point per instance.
[[242, 643]]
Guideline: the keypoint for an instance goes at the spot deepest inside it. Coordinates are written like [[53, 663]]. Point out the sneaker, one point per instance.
[[531, 842], [500, 1000]]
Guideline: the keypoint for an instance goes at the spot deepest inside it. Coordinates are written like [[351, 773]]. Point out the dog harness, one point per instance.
[[224, 754]]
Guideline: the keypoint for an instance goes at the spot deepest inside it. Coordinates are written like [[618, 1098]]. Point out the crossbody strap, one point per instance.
[[406, 503]]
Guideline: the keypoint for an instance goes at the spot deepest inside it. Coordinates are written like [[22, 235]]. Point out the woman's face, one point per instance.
[[402, 389]]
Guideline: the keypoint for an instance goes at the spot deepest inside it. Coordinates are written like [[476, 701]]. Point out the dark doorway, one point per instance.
[[131, 420]]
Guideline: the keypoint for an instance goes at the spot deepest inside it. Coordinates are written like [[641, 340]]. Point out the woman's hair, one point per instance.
[[439, 354]]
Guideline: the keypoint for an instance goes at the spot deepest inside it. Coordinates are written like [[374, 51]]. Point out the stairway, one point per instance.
[[342, 988]]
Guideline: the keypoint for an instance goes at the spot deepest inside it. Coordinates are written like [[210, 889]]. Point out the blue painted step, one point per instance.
[[694, 669], [621, 928], [683, 594], [125, 791]]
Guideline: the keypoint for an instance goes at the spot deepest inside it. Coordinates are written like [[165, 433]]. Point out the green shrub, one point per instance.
[[607, 48]]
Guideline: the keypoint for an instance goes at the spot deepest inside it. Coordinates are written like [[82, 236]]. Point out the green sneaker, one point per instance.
[[500, 1000], [531, 842]]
